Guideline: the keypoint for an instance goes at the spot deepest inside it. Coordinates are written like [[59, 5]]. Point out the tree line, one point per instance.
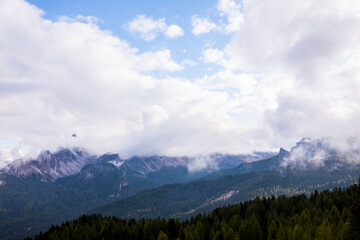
[[326, 215]]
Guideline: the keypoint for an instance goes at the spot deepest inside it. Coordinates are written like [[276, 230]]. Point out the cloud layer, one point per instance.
[[304, 57], [290, 70], [70, 76]]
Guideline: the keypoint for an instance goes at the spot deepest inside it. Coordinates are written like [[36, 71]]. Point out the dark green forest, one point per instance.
[[326, 215]]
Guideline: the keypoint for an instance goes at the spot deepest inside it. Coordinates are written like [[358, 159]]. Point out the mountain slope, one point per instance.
[[51, 166], [183, 200], [271, 163], [59, 186], [323, 215], [31, 202]]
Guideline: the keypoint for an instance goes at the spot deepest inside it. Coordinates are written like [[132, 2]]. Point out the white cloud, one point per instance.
[[189, 62], [69, 76], [315, 47], [232, 10], [154, 115], [201, 162], [148, 28], [283, 75], [157, 60], [202, 25], [80, 18], [244, 84], [301, 67], [212, 55], [174, 31]]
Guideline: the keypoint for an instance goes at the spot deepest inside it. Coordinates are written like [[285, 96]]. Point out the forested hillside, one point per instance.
[[185, 200], [326, 215], [31, 205]]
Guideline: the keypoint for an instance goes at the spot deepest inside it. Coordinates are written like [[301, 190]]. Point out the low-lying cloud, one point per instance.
[[314, 153]]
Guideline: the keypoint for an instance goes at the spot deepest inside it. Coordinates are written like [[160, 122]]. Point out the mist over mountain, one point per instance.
[[266, 177], [313, 153], [66, 162], [70, 182], [306, 154]]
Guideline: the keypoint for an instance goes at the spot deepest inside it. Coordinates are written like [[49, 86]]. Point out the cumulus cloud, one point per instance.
[[302, 66], [305, 37], [313, 48], [202, 25], [69, 76], [214, 56], [174, 31], [148, 28], [160, 60], [232, 10], [291, 69]]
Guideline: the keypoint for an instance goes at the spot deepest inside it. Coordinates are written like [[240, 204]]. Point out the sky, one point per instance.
[[177, 77]]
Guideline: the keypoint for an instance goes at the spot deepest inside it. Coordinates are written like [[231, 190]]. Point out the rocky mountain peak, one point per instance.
[[50, 166], [283, 152]]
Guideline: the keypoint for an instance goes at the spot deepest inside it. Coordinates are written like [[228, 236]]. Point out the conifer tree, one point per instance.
[[162, 236], [353, 231]]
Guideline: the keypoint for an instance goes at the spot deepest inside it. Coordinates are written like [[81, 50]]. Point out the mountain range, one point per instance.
[[59, 186]]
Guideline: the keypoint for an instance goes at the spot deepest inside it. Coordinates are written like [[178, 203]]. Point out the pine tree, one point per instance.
[[162, 236], [353, 231], [272, 230]]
